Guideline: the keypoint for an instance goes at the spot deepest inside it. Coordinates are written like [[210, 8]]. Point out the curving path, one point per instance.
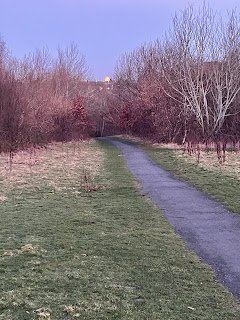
[[207, 227]]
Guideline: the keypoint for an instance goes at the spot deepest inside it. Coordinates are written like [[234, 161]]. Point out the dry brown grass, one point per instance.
[[57, 166], [207, 161], [210, 161], [153, 144]]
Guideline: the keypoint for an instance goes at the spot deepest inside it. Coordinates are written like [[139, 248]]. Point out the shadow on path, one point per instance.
[[208, 228]]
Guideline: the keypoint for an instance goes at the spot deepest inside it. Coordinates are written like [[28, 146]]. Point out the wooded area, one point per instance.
[[184, 88]]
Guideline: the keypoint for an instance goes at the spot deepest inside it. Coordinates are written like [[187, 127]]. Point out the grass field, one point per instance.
[[78, 241]]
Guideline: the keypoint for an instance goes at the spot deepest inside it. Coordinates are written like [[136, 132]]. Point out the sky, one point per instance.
[[102, 29]]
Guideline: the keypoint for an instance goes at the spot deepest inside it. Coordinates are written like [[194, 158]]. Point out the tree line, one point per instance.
[[185, 87], [41, 98]]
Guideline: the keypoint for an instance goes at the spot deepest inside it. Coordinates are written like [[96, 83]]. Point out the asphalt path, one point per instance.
[[207, 227]]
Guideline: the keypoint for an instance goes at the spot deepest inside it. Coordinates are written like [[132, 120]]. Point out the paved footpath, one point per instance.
[[207, 227]]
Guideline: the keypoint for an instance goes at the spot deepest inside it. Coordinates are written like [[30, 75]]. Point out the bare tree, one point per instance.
[[70, 69], [200, 63], [225, 84]]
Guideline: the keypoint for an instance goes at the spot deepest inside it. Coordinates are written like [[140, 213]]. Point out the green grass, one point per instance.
[[108, 254], [216, 183], [222, 187]]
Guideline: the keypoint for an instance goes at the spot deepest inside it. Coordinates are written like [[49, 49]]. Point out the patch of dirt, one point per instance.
[[26, 248]]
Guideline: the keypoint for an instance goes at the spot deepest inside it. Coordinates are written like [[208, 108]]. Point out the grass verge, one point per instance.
[[221, 182], [68, 253], [217, 183]]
